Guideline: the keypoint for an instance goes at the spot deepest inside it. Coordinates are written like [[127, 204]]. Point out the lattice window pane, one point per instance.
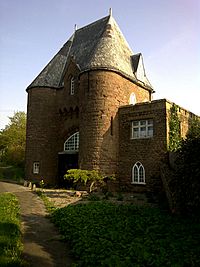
[[141, 174], [142, 129], [72, 143], [135, 173]]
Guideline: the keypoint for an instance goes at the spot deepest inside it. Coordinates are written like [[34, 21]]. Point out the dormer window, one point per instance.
[[72, 86]]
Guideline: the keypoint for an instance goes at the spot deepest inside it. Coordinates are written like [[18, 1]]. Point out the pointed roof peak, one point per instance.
[[110, 11], [100, 44]]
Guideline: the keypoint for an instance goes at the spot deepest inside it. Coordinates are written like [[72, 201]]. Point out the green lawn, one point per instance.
[[10, 236], [105, 234]]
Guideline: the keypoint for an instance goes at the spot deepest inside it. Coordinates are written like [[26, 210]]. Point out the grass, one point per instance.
[[105, 234], [10, 236], [48, 204]]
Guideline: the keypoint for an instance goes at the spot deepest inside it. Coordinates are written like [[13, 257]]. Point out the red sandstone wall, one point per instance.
[[41, 134], [101, 94], [150, 151], [68, 106], [54, 114], [185, 117]]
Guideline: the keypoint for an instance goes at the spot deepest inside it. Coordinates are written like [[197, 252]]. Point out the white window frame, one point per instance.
[[72, 143], [72, 86], [142, 129], [138, 173], [36, 167]]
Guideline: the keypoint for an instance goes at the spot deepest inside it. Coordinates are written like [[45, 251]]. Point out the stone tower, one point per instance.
[[73, 103]]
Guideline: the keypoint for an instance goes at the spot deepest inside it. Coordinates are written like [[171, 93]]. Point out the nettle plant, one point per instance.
[[86, 177]]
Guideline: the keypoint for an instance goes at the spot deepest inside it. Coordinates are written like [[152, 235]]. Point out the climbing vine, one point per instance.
[[174, 129]]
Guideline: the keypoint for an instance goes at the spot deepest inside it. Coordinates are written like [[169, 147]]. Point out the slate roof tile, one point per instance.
[[97, 45]]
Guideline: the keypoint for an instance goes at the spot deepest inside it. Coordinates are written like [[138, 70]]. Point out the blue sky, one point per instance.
[[166, 32]]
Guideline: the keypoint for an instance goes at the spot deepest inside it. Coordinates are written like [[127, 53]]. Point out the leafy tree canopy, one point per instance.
[[13, 139]]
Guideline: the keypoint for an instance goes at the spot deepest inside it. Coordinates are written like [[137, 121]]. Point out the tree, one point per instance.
[[187, 179], [13, 139]]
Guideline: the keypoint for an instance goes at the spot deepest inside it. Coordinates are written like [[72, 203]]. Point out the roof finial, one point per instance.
[[110, 11], [75, 27]]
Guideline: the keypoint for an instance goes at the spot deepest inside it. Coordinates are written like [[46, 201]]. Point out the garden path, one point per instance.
[[42, 243]]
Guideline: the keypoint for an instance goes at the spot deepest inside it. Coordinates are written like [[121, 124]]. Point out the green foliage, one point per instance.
[[10, 236], [174, 129], [12, 173], [194, 129], [12, 140], [86, 177], [186, 183], [42, 184], [105, 234], [120, 197], [93, 197], [83, 176]]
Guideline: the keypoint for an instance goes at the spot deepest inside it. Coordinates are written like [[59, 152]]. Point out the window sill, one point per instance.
[[139, 138], [138, 183]]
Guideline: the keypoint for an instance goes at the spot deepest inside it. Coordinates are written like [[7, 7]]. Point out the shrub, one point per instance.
[[86, 177], [185, 184], [106, 234]]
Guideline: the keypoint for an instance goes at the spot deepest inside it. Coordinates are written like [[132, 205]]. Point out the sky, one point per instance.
[[166, 32]]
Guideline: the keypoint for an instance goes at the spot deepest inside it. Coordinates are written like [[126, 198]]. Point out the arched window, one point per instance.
[[72, 86], [72, 143], [132, 99], [138, 173]]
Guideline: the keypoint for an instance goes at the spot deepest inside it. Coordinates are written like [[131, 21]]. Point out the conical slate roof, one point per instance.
[[99, 45]]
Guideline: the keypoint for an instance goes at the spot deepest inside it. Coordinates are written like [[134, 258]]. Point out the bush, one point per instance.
[[105, 234], [88, 178], [185, 184], [12, 173]]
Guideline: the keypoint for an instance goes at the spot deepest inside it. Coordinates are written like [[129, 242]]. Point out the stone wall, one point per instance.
[[185, 118], [42, 118], [150, 152], [55, 114], [68, 106], [101, 95]]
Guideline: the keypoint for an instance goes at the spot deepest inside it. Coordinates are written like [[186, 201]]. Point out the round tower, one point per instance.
[[102, 92]]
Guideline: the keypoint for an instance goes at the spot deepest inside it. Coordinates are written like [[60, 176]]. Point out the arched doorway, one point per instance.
[[68, 159]]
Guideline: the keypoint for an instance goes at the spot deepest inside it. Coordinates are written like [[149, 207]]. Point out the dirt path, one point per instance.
[[42, 243]]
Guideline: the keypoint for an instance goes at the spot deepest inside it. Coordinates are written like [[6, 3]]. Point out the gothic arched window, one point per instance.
[[138, 173], [72, 143]]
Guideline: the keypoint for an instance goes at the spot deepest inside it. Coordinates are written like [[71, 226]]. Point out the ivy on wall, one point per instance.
[[174, 129]]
